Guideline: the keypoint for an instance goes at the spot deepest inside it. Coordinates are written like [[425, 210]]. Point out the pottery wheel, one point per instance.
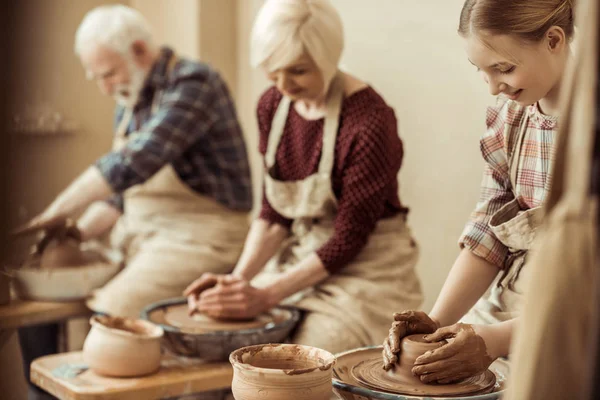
[[371, 374], [179, 317]]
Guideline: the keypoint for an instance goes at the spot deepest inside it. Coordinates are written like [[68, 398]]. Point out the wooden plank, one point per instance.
[[176, 377], [26, 313]]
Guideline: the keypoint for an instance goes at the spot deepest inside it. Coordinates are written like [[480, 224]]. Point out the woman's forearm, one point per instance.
[[467, 281], [307, 273], [263, 241]]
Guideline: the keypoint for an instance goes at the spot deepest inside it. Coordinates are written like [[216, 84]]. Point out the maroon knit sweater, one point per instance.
[[368, 155]]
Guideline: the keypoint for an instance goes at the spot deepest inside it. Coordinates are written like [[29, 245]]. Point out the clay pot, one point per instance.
[[122, 347], [281, 371], [62, 253]]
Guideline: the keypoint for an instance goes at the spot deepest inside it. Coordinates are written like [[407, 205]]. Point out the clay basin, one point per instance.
[[122, 347], [31, 281], [62, 253], [217, 345], [281, 371], [347, 387], [61, 284]]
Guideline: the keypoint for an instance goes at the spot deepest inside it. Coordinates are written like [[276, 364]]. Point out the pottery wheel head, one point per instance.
[[179, 317]]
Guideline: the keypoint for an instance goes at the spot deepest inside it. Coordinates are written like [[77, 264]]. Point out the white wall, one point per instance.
[[410, 52]]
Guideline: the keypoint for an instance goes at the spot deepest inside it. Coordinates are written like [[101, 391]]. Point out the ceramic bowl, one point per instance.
[[61, 284], [281, 371], [122, 347]]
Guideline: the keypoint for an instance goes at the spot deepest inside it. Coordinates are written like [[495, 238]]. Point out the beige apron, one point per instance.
[[555, 348], [354, 306], [516, 229], [169, 236]]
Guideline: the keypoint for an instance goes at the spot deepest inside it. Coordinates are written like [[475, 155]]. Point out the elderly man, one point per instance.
[[175, 190]]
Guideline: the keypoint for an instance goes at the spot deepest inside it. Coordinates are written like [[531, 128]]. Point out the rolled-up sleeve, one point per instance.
[[186, 114], [495, 192]]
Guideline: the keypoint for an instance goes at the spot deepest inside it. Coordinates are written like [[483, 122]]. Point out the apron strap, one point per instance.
[[331, 125], [277, 127], [514, 159]]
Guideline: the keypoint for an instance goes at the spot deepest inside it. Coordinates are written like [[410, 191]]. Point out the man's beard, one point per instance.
[[128, 95]]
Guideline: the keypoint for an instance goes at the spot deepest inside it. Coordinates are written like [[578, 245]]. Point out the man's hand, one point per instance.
[[64, 231], [405, 323], [464, 356]]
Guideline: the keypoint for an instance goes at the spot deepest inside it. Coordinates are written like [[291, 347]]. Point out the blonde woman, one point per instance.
[[521, 49], [332, 236]]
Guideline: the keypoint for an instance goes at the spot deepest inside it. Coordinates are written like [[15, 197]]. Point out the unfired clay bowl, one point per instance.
[[62, 253], [281, 371], [347, 387], [61, 284], [218, 345], [122, 347], [65, 283]]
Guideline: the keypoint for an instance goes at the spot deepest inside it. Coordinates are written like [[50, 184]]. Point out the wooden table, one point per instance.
[[19, 313], [66, 377]]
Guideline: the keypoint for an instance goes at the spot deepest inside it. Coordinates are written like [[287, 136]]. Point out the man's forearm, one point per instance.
[[98, 219]]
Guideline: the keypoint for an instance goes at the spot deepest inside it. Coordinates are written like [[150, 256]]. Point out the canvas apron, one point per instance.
[[381, 280], [169, 236], [516, 229]]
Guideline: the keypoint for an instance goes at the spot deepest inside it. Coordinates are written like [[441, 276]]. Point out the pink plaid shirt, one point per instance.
[[505, 122]]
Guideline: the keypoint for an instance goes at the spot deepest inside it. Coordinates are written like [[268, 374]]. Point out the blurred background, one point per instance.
[[408, 51]]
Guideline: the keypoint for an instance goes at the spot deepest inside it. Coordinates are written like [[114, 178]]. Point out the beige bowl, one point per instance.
[[61, 284], [281, 371], [122, 347]]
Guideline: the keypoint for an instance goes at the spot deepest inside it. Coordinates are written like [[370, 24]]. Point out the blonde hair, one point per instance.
[[527, 19], [114, 26], [285, 29]]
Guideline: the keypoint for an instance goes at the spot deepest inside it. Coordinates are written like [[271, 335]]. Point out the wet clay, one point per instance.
[[64, 252], [282, 371], [400, 380], [179, 317]]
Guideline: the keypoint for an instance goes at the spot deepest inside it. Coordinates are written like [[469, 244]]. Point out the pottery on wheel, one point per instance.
[[347, 386], [178, 315], [400, 379], [122, 347], [64, 252], [281, 371], [213, 340]]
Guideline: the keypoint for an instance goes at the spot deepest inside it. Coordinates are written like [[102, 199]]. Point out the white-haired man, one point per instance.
[[175, 190]]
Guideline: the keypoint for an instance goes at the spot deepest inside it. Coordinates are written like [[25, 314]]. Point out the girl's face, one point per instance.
[[524, 72], [300, 80]]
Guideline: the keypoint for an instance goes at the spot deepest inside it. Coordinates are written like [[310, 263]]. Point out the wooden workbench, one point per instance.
[[19, 313], [66, 377]]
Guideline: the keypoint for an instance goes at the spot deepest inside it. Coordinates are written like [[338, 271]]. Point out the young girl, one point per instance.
[[521, 49]]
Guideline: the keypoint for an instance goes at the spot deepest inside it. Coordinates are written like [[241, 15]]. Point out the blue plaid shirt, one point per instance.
[[195, 129]]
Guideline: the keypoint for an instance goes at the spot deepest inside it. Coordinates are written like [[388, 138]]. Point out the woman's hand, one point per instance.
[[405, 323], [464, 356], [227, 297]]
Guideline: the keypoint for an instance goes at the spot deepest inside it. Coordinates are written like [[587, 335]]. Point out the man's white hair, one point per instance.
[[285, 29], [114, 26]]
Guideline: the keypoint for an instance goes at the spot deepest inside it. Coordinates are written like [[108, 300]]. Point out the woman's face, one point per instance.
[[524, 72], [299, 80]]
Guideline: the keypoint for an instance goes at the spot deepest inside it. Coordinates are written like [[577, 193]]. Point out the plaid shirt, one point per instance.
[[195, 129], [533, 176]]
